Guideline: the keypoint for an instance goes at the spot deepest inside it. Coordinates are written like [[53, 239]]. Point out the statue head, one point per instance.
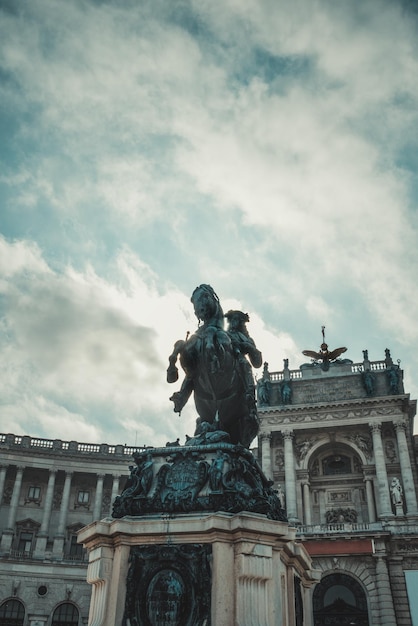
[[237, 320], [206, 303]]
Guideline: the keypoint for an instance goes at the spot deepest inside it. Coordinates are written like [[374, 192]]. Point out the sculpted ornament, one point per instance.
[[363, 443], [211, 477]]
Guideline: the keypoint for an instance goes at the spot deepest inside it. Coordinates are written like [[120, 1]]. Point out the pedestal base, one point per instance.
[[214, 569]]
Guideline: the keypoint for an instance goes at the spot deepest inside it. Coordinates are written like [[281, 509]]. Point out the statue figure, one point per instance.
[[388, 358], [393, 379], [368, 382], [206, 434], [216, 471], [243, 345], [264, 387], [396, 491], [281, 496], [217, 370], [286, 391]]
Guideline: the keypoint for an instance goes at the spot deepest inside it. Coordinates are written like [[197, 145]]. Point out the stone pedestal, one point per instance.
[[221, 569], [200, 538]]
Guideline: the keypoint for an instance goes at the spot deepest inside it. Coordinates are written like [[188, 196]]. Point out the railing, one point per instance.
[[356, 368], [76, 558], [11, 441], [21, 554], [68, 558], [344, 527]]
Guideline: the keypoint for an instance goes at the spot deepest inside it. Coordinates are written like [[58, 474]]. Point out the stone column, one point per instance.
[[322, 506], [15, 498], [370, 498], [42, 537], [290, 476], [265, 439], [7, 536], [3, 470], [97, 511], [59, 538], [385, 509], [115, 491], [307, 502], [387, 612], [406, 469]]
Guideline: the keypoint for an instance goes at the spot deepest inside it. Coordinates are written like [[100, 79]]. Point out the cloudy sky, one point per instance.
[[266, 147]]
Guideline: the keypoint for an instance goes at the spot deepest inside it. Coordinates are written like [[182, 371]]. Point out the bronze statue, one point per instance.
[[217, 370]]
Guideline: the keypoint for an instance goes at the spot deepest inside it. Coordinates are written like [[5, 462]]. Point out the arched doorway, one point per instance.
[[339, 600], [65, 615], [12, 613]]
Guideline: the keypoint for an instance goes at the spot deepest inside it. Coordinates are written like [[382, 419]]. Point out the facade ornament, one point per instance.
[[304, 447], [390, 451], [197, 478], [279, 458], [401, 425], [339, 516], [288, 435], [363, 443]]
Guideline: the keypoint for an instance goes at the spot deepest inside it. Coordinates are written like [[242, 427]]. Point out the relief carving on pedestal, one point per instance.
[[169, 585]]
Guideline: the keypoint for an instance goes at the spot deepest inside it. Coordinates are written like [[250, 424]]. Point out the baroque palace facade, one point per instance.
[[336, 438]]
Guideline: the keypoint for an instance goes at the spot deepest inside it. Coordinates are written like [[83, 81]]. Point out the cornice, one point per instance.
[[353, 409]]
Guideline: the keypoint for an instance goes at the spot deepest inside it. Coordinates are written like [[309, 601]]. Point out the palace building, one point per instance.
[[336, 437], [49, 490], [337, 440]]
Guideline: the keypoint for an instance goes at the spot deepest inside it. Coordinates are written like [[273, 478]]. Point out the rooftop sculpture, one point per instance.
[[324, 355]]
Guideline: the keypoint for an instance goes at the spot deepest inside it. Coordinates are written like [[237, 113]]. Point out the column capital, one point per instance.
[[69, 473], [288, 434], [100, 476], [265, 436], [368, 475], [375, 427], [400, 425]]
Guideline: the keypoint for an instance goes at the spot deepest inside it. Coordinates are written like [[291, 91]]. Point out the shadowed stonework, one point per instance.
[[169, 585]]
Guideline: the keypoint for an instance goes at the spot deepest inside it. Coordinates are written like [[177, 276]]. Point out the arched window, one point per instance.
[[12, 613], [336, 464], [65, 615], [339, 599]]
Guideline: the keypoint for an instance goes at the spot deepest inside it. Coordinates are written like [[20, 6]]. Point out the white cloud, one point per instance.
[[87, 344], [255, 146]]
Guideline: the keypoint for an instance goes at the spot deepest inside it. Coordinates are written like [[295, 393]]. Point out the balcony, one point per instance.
[[342, 528]]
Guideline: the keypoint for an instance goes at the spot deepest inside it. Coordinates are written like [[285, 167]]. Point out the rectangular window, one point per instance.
[[25, 542], [83, 497], [76, 549], [34, 493]]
